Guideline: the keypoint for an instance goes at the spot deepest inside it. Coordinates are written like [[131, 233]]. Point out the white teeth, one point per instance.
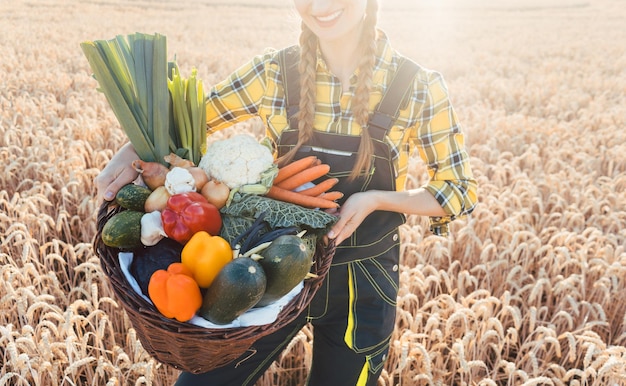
[[330, 17]]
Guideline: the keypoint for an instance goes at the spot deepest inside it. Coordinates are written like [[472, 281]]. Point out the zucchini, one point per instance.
[[236, 289], [132, 196], [286, 262], [123, 230]]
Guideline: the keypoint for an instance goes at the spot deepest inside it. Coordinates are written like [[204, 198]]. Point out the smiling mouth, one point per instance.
[[329, 17]]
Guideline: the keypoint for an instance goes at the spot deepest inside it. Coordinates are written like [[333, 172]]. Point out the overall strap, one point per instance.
[[386, 112], [288, 60]]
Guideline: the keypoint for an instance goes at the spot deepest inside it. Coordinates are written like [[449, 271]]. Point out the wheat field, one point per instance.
[[529, 290]]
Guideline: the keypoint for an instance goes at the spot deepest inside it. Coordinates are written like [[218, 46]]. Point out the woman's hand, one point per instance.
[[359, 205], [117, 173], [351, 215]]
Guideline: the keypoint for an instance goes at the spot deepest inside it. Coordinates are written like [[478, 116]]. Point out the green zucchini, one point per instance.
[[132, 196], [286, 262], [237, 288], [123, 230]]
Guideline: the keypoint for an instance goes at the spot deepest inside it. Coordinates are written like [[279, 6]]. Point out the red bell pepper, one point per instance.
[[188, 213]]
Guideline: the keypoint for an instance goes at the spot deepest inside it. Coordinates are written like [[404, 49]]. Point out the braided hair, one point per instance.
[[360, 101]]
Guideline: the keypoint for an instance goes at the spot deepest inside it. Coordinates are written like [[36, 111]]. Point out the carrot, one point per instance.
[[294, 167], [320, 188], [304, 176], [300, 199], [332, 195]]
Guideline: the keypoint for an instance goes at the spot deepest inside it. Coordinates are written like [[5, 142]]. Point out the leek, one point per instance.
[[159, 114], [189, 113]]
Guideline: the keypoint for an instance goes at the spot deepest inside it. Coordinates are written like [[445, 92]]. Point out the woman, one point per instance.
[[345, 67]]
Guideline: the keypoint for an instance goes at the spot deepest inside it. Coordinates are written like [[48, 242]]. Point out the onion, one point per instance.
[[152, 173], [175, 160], [157, 200], [199, 176], [216, 193]]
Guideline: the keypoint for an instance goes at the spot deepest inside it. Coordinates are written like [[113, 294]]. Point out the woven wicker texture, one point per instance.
[[183, 345]]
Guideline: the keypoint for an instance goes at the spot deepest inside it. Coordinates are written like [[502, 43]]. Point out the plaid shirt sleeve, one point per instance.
[[440, 143], [239, 96]]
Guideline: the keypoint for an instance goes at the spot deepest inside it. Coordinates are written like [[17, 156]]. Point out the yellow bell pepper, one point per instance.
[[205, 256]]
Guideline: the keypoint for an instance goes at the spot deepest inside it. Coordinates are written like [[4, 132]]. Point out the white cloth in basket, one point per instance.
[[253, 317]]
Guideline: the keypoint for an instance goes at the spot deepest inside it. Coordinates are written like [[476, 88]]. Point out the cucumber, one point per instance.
[[132, 196], [236, 289], [123, 230], [286, 262]]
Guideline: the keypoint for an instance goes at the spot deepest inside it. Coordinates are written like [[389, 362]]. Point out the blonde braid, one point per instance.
[[308, 70], [360, 101]]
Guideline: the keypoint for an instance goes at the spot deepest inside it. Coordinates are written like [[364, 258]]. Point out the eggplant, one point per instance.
[[148, 259]]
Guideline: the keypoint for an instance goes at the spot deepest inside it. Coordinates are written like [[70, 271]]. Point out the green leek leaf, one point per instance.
[[159, 110]]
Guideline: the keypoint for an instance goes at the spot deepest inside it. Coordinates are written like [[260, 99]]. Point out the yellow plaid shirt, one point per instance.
[[427, 124]]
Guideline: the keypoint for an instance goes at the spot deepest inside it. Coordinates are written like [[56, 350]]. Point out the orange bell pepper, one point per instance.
[[205, 256], [175, 293]]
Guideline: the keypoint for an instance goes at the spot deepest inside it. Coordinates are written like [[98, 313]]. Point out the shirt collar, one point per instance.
[[384, 56]]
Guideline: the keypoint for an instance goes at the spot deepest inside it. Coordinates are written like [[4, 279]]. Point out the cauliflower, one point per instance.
[[237, 161]]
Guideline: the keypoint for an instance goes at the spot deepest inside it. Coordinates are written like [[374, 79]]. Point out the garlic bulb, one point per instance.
[[179, 180], [151, 228]]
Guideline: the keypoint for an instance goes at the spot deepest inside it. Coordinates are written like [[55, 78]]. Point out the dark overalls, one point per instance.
[[353, 313]]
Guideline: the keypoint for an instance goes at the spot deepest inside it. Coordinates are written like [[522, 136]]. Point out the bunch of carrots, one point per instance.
[[300, 172]]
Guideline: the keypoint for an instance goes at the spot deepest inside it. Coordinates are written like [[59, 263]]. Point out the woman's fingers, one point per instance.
[[351, 215], [349, 220], [108, 184], [117, 173], [342, 229]]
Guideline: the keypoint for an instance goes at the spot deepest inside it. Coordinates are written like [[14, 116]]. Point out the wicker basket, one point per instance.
[[185, 346]]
